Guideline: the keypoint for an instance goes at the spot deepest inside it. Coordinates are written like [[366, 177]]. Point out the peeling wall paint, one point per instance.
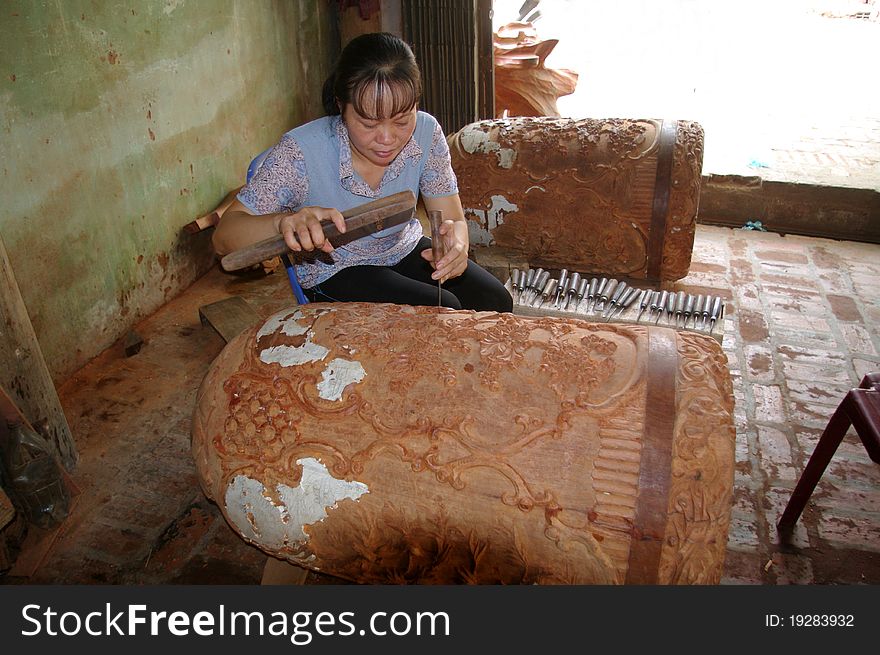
[[123, 122], [258, 518]]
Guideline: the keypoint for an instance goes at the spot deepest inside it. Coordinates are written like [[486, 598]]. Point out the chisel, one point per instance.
[[625, 301], [573, 287], [515, 276], [549, 290], [527, 285], [591, 292], [615, 299], [670, 307], [707, 307], [561, 287], [688, 309], [661, 305], [717, 310], [581, 292], [698, 309], [605, 293], [436, 219], [540, 282], [679, 306], [644, 301]]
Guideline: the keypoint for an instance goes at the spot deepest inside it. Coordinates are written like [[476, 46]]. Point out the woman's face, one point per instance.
[[378, 140]]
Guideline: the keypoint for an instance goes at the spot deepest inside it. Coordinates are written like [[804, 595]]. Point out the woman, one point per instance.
[[373, 142]]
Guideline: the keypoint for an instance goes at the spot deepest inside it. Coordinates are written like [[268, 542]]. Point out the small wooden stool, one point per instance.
[[859, 408]]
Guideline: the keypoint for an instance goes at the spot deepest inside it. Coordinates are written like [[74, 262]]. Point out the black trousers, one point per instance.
[[409, 283]]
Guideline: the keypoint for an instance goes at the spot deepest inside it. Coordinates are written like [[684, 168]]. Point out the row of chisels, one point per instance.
[[609, 298]]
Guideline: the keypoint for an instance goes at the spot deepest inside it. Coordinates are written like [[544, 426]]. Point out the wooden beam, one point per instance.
[[229, 317], [279, 572], [23, 370]]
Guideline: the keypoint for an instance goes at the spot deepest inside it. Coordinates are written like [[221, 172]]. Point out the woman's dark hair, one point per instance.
[[380, 62]]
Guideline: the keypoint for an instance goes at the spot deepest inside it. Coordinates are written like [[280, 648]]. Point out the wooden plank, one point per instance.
[[202, 223], [23, 370], [229, 317], [7, 511], [279, 572], [213, 217]]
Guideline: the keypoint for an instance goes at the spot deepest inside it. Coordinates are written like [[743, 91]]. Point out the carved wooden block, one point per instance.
[[616, 197], [391, 444]]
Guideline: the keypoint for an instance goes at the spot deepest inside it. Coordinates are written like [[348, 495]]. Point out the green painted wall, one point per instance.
[[120, 122]]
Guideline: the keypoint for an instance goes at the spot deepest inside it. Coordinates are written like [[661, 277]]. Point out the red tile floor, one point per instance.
[[801, 329]]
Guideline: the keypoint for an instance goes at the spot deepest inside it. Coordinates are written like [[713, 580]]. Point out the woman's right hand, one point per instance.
[[302, 229]]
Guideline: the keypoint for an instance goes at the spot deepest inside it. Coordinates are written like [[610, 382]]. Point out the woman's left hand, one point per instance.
[[455, 251]]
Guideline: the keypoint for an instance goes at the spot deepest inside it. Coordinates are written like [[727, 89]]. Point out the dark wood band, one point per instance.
[[662, 190], [655, 467]]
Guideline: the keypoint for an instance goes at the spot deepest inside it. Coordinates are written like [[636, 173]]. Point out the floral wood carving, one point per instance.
[[458, 447], [579, 194]]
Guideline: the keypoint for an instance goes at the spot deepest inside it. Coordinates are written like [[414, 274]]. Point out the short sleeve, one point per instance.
[[281, 183], [438, 178]]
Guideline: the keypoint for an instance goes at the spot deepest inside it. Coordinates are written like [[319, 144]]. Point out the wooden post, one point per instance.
[[23, 371]]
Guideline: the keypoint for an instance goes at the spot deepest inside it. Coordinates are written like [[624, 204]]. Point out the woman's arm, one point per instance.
[[238, 228], [454, 232]]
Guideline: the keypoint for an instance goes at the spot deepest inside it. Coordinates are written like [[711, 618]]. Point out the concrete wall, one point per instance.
[[122, 122]]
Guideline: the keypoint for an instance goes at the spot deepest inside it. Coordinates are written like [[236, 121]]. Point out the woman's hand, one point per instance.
[[302, 229], [455, 251]]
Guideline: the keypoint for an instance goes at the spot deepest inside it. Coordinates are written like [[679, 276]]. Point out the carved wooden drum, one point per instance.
[[612, 196], [390, 444]]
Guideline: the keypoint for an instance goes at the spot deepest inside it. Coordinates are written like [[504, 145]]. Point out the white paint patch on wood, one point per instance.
[[294, 355], [500, 207], [338, 374], [255, 516], [477, 140], [480, 231], [260, 520], [477, 233], [286, 321]]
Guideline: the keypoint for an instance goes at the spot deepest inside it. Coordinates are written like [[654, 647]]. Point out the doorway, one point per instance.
[[783, 89]]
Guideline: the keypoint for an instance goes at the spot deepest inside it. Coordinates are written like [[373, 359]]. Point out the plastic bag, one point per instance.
[[32, 476], [754, 225]]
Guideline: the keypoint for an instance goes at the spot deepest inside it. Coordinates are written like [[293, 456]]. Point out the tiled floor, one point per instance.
[[801, 328]]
